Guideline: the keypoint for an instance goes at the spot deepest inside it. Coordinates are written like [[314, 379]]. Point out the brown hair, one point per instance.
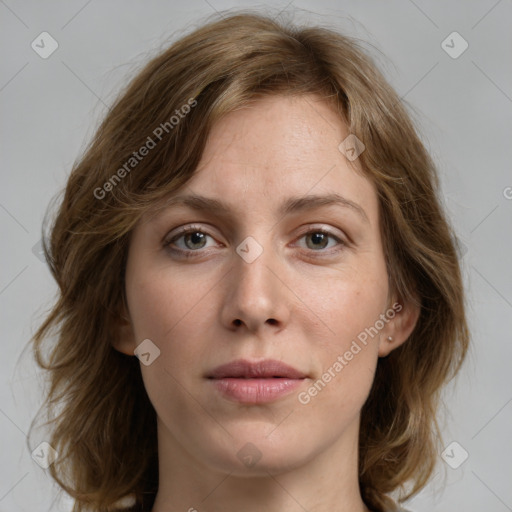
[[105, 432]]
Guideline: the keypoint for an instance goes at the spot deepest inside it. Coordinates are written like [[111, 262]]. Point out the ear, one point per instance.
[[400, 327], [123, 339]]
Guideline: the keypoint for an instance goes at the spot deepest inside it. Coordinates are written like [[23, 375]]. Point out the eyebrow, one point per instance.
[[291, 205]]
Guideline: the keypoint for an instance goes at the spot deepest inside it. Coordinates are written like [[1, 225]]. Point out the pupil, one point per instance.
[[196, 238], [317, 239]]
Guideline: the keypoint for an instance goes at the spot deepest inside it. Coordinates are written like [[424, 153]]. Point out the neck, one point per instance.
[[329, 481]]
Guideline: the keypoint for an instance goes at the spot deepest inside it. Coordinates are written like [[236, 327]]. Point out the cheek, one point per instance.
[[347, 358], [162, 302], [344, 303], [174, 315], [175, 312], [350, 305]]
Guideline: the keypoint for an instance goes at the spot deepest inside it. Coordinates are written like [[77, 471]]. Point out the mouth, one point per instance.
[[255, 382], [266, 369]]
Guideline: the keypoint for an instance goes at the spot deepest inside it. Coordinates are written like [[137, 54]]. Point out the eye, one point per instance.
[[318, 239], [188, 240]]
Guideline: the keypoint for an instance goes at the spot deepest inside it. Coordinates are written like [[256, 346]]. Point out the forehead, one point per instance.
[[277, 156], [278, 147]]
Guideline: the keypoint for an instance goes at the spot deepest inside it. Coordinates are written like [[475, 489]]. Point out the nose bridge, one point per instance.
[[256, 295], [251, 269]]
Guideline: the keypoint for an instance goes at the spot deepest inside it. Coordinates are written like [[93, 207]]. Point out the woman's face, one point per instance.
[[286, 266]]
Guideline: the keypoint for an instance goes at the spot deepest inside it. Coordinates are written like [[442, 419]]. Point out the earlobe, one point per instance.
[[399, 329]]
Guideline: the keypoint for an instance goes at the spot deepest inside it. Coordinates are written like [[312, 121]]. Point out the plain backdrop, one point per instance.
[[462, 103]]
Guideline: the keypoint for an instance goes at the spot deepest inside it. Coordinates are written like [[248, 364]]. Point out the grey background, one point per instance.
[[51, 107]]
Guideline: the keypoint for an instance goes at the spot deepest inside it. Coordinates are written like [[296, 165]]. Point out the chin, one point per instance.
[[251, 452]]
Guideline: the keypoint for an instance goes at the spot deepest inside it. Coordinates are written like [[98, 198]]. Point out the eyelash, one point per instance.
[[190, 253]]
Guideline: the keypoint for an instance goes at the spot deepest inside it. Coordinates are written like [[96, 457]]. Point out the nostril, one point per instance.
[[237, 322]]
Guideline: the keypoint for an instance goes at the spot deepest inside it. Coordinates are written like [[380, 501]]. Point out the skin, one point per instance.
[[300, 301]]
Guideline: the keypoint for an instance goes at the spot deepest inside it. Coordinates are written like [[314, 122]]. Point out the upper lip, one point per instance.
[[268, 368]]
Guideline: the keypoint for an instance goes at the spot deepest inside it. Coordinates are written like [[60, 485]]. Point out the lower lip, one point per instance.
[[254, 391]]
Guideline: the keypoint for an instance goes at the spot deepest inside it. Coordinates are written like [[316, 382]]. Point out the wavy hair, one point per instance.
[[102, 423]]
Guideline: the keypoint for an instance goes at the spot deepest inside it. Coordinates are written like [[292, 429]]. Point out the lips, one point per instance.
[[255, 382], [242, 369]]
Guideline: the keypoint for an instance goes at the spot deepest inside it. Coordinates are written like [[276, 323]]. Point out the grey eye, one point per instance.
[[319, 240], [196, 238]]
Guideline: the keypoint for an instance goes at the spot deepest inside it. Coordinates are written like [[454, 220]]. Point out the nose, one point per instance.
[[256, 297]]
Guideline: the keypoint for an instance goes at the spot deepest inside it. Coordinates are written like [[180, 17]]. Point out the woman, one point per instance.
[[260, 298]]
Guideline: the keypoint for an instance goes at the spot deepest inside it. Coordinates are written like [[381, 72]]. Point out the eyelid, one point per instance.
[[340, 239], [322, 228], [183, 230], [179, 233]]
